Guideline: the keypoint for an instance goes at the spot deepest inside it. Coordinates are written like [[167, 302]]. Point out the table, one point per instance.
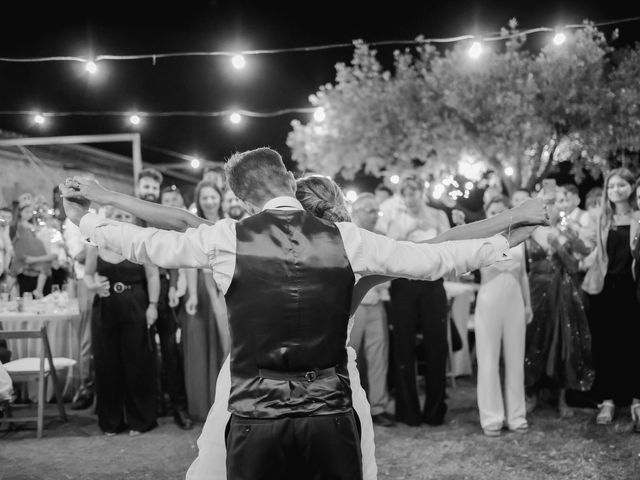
[[62, 330], [462, 294]]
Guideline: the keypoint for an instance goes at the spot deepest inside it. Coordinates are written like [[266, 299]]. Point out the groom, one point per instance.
[[288, 279]]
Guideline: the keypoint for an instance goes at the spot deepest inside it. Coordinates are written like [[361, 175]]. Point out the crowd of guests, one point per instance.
[[562, 314]]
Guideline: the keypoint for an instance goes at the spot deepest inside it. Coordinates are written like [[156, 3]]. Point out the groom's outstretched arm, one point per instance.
[[371, 254], [191, 249]]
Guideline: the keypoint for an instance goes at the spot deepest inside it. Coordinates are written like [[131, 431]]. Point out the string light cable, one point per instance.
[[156, 56]]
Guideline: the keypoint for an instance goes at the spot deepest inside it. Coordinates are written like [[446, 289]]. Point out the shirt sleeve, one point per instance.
[[194, 248], [73, 239], [372, 254]]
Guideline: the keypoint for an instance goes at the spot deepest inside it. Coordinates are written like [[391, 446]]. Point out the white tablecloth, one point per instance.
[[62, 330]]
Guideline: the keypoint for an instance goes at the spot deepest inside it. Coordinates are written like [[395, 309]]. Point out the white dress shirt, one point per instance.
[[214, 247]]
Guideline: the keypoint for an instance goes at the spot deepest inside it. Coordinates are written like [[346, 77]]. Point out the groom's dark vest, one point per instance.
[[288, 306]]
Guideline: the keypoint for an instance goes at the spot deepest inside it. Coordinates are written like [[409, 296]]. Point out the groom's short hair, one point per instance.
[[257, 175]]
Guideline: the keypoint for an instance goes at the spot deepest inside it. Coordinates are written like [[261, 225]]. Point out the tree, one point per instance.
[[510, 108]]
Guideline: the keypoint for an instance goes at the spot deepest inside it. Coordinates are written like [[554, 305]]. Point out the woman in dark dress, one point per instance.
[[124, 312], [614, 307], [558, 345]]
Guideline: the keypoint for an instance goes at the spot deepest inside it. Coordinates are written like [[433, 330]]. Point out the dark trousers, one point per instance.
[[419, 305], [172, 369], [321, 447], [124, 361]]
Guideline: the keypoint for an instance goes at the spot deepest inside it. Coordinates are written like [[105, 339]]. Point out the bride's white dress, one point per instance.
[[212, 453]]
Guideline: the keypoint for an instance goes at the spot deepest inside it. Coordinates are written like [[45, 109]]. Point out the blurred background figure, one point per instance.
[[172, 197], [124, 313], [205, 332], [614, 309], [233, 207], [520, 196], [148, 188], [417, 305], [370, 334], [503, 308]]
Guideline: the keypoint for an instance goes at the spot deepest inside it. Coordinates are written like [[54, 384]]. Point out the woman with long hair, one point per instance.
[[204, 337], [614, 307]]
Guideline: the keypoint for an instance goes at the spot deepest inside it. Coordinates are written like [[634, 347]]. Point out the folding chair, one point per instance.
[[35, 369]]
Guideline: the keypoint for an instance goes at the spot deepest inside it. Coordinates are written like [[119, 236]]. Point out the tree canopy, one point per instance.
[[509, 108]]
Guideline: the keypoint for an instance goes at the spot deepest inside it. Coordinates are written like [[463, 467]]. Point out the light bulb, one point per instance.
[[238, 62], [235, 117], [134, 119], [468, 186], [351, 195], [475, 50], [559, 38], [195, 163], [395, 179], [91, 67], [319, 115], [508, 171], [39, 119]]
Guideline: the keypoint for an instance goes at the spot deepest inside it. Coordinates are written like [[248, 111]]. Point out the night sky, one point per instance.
[[269, 82]]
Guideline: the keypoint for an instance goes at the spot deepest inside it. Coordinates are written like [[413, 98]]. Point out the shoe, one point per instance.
[[82, 402], [522, 429], [110, 434], [605, 415], [182, 419], [492, 432], [383, 420], [134, 433], [635, 416]]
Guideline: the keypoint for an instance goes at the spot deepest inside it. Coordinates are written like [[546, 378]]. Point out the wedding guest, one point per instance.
[[558, 343], [614, 307], [6, 248], [503, 307], [148, 188], [124, 312], [172, 196], [418, 305], [202, 325], [233, 207], [370, 333], [32, 263], [215, 174], [382, 193]]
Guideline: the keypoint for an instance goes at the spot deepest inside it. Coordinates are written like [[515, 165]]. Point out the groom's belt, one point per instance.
[[308, 376]]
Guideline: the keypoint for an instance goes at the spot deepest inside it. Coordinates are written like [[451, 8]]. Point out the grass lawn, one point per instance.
[[572, 448]]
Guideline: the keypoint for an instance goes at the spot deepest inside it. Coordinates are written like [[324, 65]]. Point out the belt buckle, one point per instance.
[[310, 376], [119, 287]]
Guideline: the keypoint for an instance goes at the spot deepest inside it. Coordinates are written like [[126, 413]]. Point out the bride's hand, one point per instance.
[[90, 189], [191, 305]]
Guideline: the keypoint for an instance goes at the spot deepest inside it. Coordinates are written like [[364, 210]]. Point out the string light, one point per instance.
[[235, 117], [508, 171], [39, 119], [319, 115], [475, 50], [134, 119], [91, 67], [351, 195], [238, 62], [490, 37], [395, 179], [468, 186], [195, 163], [438, 191]]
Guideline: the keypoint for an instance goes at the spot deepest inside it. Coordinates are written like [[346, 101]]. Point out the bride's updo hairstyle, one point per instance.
[[322, 197]]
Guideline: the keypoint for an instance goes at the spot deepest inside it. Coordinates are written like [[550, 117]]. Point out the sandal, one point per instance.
[[635, 416], [605, 416]]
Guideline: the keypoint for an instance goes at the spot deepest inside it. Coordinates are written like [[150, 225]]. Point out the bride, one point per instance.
[[322, 197]]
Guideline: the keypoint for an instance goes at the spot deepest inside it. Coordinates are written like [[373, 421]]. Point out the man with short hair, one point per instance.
[[370, 333], [232, 206], [288, 278], [571, 206], [148, 188], [418, 305]]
